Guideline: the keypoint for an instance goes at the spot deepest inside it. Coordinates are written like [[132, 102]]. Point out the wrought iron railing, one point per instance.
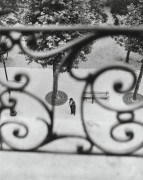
[[124, 117]]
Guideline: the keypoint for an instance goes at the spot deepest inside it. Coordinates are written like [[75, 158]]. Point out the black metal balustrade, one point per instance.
[[4, 56], [123, 117]]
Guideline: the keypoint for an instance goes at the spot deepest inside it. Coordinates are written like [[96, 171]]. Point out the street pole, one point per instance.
[[12, 110], [138, 82]]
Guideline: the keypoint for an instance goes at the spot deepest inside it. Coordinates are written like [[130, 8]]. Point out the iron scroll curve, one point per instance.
[[72, 48]]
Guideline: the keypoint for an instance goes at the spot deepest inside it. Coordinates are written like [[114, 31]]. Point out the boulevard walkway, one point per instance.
[[43, 166], [50, 166]]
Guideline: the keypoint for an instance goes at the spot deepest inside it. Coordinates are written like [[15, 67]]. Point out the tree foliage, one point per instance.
[[9, 12], [120, 7], [9, 15], [132, 19], [61, 12]]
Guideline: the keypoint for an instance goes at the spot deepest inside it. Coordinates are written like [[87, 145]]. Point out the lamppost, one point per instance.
[[3, 57]]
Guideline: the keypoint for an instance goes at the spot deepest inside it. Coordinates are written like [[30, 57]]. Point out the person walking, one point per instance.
[[72, 106]]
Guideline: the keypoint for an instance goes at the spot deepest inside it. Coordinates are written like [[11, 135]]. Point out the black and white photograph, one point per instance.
[[71, 89]]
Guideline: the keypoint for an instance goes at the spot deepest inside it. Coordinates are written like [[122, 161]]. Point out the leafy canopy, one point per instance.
[[61, 12], [134, 18], [9, 12], [120, 7]]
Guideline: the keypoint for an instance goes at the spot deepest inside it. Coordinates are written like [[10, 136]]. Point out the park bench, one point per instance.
[[98, 94]]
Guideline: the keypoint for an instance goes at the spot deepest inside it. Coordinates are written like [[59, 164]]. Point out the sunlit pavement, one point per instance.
[[97, 120]]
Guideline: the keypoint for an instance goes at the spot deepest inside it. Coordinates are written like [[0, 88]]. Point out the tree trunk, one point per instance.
[[127, 56], [138, 82], [55, 82]]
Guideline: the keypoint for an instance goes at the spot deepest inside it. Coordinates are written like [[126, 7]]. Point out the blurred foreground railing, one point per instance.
[[125, 133]]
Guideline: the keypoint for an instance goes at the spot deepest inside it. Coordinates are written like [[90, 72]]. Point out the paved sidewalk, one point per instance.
[[98, 121], [29, 166], [41, 83]]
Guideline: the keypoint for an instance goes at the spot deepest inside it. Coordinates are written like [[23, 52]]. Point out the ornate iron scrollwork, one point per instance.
[[124, 118]]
